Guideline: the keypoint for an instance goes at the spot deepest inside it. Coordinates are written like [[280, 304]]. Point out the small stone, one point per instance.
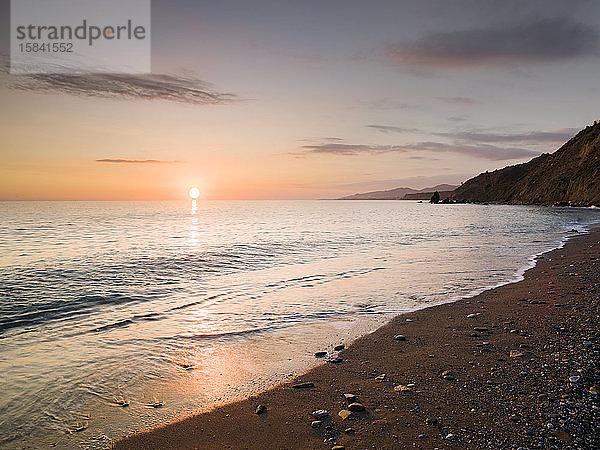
[[409, 320], [338, 447], [316, 423], [344, 414], [340, 347], [335, 360], [448, 375], [401, 387], [306, 385], [356, 407], [574, 379], [400, 337], [349, 431], [380, 377], [320, 354], [350, 397], [320, 413], [471, 316], [550, 426], [450, 437], [421, 436], [260, 409], [515, 354], [594, 390]]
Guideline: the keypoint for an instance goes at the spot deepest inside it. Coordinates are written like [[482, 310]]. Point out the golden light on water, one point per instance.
[[194, 193]]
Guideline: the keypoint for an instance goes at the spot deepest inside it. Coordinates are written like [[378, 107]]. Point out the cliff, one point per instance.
[[570, 175]]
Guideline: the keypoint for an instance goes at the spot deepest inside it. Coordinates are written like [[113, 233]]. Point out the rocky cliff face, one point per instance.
[[569, 175]]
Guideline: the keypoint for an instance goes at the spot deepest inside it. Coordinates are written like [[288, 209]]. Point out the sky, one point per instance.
[[306, 99]]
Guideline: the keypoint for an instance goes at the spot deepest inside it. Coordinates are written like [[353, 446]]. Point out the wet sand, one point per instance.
[[516, 366]]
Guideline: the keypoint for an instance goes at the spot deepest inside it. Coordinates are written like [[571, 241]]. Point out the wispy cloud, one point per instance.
[[455, 100], [135, 161], [392, 129], [478, 137], [351, 149], [524, 42], [162, 87], [385, 104], [534, 137], [481, 150]]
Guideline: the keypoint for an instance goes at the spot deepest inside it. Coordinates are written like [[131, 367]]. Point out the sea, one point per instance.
[[117, 317]]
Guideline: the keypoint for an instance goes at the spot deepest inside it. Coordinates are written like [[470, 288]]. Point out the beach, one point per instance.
[[515, 366]]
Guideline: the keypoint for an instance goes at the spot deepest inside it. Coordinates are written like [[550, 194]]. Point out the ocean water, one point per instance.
[[174, 307]]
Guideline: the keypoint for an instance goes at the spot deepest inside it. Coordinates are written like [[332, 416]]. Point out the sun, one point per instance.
[[194, 193]]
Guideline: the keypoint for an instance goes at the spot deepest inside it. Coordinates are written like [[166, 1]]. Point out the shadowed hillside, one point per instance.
[[569, 175]]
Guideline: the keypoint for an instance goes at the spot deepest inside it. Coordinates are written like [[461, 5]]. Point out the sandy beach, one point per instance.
[[514, 367]]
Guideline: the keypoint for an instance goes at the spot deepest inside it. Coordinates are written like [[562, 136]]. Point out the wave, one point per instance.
[[38, 313]]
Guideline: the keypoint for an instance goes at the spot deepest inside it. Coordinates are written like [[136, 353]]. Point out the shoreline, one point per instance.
[[462, 410]]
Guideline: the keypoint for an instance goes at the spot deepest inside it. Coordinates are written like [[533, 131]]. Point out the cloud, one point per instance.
[[525, 42], [351, 149], [455, 100], [173, 88], [534, 137], [135, 161], [483, 151], [384, 104], [392, 129]]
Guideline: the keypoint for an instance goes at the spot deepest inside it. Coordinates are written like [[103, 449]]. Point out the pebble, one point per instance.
[[470, 316], [402, 387], [350, 397], [338, 447], [306, 385], [349, 431], [344, 414], [316, 423], [380, 377], [260, 409], [340, 347], [335, 360], [400, 337], [515, 354], [574, 379], [448, 375], [356, 407], [449, 437], [320, 413], [320, 354]]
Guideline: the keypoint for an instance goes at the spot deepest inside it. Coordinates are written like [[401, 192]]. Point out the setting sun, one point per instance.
[[194, 193]]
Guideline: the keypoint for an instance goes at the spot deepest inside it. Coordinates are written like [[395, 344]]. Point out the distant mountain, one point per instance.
[[569, 175], [402, 193]]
